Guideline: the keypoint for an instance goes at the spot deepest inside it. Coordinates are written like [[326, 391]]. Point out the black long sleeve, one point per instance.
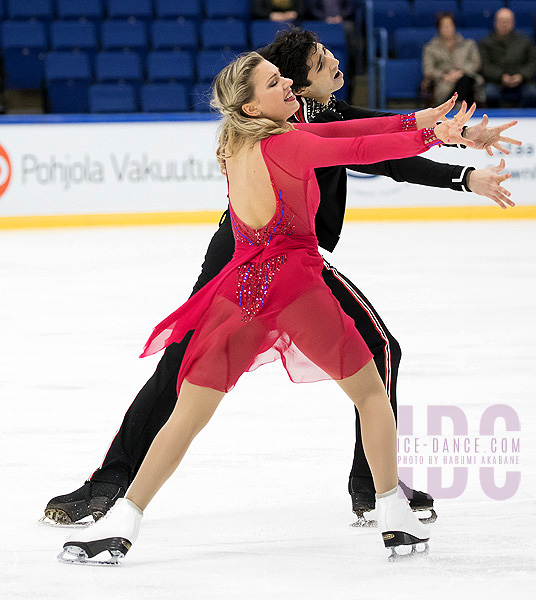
[[332, 181]]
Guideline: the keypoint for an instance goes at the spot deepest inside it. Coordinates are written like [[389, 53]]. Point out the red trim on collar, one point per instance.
[[299, 114]]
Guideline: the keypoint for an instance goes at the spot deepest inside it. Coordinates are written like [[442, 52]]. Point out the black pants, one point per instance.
[[155, 402]]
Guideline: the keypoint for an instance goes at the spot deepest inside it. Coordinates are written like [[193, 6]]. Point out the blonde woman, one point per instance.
[[270, 301]]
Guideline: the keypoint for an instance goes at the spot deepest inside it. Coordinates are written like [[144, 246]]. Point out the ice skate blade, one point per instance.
[[74, 555], [48, 522], [364, 522], [365, 518], [415, 552], [431, 518]]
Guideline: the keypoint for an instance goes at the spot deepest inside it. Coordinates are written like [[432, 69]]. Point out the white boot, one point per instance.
[[115, 532], [399, 526]]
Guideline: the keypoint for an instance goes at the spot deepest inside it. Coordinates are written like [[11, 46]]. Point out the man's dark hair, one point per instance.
[[289, 52]]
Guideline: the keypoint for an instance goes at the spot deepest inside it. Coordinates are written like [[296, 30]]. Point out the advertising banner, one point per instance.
[[144, 167]]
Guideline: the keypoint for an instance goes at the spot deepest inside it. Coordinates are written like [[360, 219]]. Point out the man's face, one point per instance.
[[504, 22], [324, 74]]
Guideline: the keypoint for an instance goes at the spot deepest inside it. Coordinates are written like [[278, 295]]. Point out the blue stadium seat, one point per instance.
[[124, 35], [331, 35], [172, 67], [425, 11], [475, 13], [409, 41], [133, 10], [23, 47], [403, 78], [474, 33], [201, 95], [119, 67], [68, 77], [41, 10], [262, 33], [392, 14], [164, 97], [220, 9], [185, 9], [220, 33], [211, 62], [174, 35], [74, 35], [85, 10], [112, 98]]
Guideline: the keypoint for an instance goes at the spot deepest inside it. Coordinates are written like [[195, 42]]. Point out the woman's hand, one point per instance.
[[486, 138], [450, 132], [430, 116]]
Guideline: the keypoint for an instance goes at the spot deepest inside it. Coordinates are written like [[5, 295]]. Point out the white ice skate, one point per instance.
[[402, 531], [114, 533]]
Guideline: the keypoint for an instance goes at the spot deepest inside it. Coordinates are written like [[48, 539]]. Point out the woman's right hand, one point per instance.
[[449, 131]]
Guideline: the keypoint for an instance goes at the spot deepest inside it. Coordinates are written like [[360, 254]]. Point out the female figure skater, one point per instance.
[[267, 301]]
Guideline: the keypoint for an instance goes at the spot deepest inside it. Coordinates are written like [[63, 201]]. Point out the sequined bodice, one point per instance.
[[254, 277]]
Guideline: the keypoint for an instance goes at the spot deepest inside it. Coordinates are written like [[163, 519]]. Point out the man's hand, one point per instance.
[[486, 138], [487, 182], [430, 116]]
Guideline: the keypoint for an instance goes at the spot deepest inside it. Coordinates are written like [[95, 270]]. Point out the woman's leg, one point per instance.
[[378, 427], [193, 411]]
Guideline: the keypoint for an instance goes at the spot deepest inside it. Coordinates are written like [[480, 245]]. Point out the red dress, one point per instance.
[[270, 301]]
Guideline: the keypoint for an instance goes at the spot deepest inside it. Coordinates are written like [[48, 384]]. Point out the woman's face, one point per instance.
[[447, 29], [274, 98]]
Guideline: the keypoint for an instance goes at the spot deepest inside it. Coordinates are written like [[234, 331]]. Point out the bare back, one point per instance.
[[250, 189]]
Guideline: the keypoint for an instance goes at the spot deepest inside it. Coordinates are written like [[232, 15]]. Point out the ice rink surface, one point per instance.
[[259, 508]]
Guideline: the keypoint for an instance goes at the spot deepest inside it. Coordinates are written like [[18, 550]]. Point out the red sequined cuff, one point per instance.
[[429, 138], [408, 122]]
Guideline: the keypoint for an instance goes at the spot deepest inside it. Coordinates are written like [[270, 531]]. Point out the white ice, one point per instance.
[[259, 508]]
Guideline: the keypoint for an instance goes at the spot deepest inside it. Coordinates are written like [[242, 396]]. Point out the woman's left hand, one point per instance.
[[430, 116], [486, 138], [450, 131]]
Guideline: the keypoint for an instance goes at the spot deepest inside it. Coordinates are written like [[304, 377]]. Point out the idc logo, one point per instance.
[[5, 170]]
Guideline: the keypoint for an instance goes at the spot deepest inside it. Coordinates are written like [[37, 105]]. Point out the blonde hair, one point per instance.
[[233, 87]]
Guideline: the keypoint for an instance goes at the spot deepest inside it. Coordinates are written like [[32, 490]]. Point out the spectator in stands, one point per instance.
[[450, 63], [332, 11], [278, 10], [508, 63]]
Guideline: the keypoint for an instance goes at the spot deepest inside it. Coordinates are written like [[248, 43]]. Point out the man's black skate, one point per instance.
[[93, 499], [363, 497]]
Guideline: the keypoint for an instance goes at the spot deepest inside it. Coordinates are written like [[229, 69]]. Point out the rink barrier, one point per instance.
[[364, 203], [445, 213]]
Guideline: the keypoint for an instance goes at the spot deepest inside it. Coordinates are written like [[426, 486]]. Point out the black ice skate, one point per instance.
[[364, 502], [108, 540], [83, 506], [402, 532]]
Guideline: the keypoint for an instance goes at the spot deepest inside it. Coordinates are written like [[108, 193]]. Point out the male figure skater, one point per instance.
[[315, 73]]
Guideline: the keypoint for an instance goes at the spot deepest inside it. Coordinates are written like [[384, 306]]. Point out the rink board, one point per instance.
[[139, 169]]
